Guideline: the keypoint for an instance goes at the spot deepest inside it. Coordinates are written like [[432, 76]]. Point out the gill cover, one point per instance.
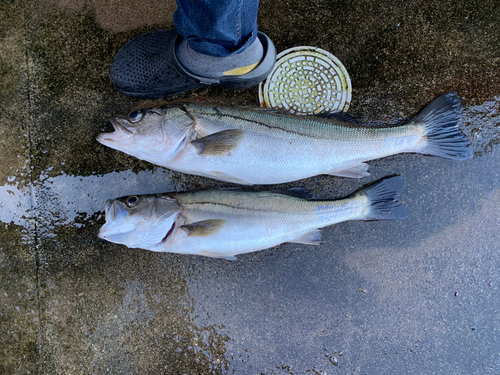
[[155, 135], [140, 221]]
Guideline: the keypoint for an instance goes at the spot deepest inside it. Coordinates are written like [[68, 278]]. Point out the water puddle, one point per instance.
[[15, 204], [71, 200]]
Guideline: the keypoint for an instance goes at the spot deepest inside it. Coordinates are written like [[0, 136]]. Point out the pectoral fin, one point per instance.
[[310, 238], [204, 228], [355, 171], [219, 143], [217, 255]]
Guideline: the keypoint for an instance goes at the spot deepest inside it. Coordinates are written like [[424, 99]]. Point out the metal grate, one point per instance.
[[306, 81]]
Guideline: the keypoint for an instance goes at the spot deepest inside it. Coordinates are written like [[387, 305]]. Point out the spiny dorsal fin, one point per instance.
[[219, 143], [204, 228]]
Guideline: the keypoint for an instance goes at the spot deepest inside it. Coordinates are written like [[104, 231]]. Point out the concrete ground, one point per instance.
[[418, 296]]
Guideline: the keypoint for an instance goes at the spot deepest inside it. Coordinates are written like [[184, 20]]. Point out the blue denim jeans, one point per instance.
[[217, 27]]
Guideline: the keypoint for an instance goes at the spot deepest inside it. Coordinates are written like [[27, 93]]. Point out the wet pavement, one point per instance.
[[415, 296]]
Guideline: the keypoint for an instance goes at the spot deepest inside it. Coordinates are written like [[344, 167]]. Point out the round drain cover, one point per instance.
[[307, 81]]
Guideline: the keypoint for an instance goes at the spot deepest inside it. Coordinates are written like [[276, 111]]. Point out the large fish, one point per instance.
[[262, 147], [225, 223]]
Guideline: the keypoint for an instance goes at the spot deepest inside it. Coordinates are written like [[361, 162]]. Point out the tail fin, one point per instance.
[[383, 197], [440, 120]]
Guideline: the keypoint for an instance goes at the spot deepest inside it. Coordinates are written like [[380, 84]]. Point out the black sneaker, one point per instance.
[[147, 67]]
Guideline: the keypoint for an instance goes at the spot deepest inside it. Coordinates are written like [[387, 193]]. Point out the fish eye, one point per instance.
[[132, 201], [135, 116]]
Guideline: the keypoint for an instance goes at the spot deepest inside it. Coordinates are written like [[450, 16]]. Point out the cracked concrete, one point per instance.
[[418, 296]]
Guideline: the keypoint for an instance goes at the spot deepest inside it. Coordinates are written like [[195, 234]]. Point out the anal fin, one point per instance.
[[217, 255], [310, 238], [204, 228], [228, 178], [355, 171]]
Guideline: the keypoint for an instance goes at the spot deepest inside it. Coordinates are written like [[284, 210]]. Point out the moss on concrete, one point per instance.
[[123, 310], [408, 50], [19, 319]]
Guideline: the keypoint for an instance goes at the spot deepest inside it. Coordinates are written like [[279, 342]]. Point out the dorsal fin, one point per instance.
[[340, 116], [296, 192]]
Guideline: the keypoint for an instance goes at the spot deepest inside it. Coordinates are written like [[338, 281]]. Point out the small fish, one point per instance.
[[263, 147], [225, 223]]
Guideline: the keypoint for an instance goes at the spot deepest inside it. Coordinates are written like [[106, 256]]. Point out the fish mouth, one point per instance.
[[109, 212], [114, 224], [119, 127], [119, 133], [110, 207]]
